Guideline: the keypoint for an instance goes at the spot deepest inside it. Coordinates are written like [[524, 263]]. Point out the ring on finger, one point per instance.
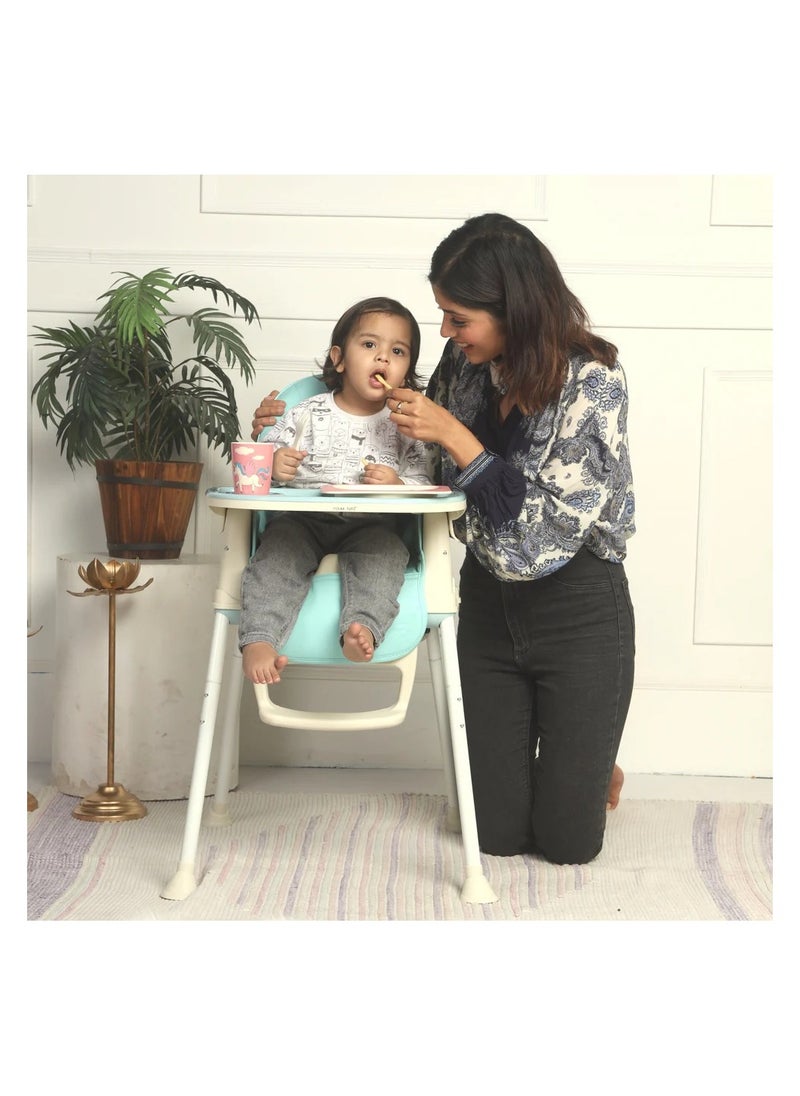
[[399, 405]]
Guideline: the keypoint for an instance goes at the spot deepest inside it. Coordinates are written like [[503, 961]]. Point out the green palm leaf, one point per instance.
[[112, 389], [214, 336], [232, 299], [137, 307]]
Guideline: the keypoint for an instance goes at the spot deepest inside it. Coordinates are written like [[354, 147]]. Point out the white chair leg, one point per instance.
[[476, 886], [219, 815], [183, 881], [443, 723]]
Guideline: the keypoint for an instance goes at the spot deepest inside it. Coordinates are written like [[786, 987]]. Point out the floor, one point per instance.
[[430, 782]]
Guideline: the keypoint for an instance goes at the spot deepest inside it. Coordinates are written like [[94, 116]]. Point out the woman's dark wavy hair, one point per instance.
[[346, 325], [496, 264]]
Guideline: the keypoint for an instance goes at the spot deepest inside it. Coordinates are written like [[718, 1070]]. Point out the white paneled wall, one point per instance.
[[675, 270]]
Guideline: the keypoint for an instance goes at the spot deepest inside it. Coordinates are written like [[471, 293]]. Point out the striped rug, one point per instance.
[[387, 857]]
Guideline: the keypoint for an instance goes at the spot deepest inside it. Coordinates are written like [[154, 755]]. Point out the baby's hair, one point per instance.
[[346, 324]]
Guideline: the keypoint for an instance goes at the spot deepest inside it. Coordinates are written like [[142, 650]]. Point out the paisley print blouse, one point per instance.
[[546, 484]]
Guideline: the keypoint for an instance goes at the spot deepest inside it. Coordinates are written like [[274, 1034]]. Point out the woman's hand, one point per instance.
[[420, 418], [267, 413], [416, 416], [286, 461]]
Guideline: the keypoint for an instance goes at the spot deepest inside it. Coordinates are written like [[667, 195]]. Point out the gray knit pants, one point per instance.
[[372, 561]]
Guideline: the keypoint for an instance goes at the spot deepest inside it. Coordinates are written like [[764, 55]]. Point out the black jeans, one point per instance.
[[546, 675]]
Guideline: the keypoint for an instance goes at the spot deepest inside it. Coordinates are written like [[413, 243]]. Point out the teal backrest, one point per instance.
[[298, 390], [293, 393]]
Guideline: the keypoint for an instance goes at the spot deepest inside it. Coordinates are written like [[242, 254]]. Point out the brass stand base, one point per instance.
[[110, 803]]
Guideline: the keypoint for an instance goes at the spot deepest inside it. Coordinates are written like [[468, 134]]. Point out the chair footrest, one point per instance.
[[276, 715]]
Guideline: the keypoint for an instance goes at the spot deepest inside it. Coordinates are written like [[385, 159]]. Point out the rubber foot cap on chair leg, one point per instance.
[[218, 816], [181, 884], [476, 888]]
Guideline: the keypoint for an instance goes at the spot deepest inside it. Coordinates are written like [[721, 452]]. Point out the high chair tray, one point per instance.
[[361, 498], [410, 490], [402, 490]]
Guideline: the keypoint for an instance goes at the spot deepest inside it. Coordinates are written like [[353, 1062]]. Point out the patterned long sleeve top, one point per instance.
[[547, 483]]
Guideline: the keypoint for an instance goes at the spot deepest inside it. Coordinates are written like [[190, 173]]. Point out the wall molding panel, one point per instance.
[[314, 285], [742, 201], [733, 591], [448, 197], [355, 260], [151, 259]]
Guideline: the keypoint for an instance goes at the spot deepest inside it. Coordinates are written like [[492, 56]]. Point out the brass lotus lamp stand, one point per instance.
[[111, 802]]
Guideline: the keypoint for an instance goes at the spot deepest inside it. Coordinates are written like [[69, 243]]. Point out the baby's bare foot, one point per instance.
[[614, 788], [358, 643], [262, 664]]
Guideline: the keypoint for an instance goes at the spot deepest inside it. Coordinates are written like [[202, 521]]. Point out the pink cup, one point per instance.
[[252, 467]]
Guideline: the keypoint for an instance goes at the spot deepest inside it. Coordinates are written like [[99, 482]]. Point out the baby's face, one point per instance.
[[381, 343]]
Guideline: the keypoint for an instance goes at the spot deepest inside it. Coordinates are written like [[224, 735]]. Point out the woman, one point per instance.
[[526, 413]]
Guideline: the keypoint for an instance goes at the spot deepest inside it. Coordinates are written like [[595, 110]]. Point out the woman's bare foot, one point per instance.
[[614, 788], [358, 643], [262, 664]]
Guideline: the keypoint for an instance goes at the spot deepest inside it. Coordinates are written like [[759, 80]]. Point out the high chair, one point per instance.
[[428, 606]]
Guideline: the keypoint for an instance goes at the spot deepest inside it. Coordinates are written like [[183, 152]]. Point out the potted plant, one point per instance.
[[120, 400]]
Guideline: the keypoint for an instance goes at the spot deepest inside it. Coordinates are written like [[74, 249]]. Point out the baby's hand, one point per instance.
[[286, 461], [379, 473]]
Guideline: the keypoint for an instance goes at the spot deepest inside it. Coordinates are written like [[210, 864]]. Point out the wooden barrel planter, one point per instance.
[[147, 506]]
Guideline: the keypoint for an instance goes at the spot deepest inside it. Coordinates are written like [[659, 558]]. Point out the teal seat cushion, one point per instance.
[[315, 636]]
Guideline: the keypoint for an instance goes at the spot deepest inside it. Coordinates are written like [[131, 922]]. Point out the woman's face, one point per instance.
[[478, 333]]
